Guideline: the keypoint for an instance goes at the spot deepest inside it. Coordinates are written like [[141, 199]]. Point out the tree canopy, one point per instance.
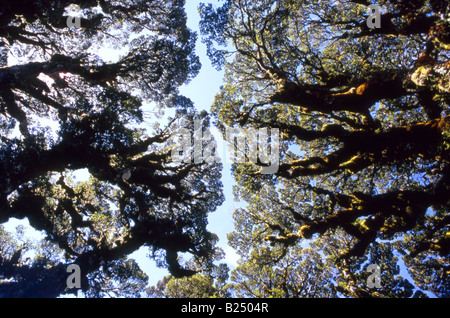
[[364, 163], [113, 117], [364, 175]]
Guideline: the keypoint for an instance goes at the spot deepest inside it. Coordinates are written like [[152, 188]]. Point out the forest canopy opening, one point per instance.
[[360, 194]]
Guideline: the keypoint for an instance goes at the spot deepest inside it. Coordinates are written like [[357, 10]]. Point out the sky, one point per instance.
[[201, 90]]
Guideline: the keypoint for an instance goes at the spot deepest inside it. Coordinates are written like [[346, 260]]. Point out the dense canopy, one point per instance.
[[112, 115], [364, 163], [364, 175]]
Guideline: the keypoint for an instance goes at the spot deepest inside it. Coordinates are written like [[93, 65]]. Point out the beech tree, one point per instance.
[[112, 117], [210, 284], [364, 172]]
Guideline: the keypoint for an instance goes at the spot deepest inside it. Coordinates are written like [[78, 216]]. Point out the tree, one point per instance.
[[363, 115], [100, 110], [210, 284], [23, 275]]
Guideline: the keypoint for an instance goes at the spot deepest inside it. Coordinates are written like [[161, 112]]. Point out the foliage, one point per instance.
[[364, 167], [211, 284], [113, 116], [364, 171]]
